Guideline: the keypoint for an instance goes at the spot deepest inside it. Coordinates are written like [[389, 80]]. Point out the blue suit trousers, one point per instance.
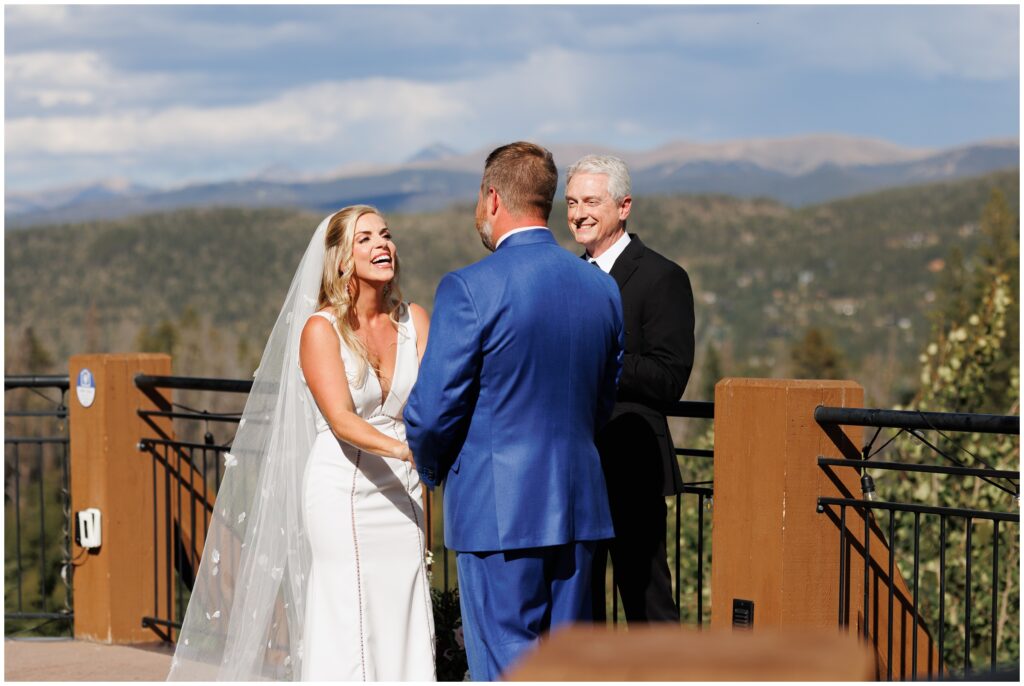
[[510, 598]]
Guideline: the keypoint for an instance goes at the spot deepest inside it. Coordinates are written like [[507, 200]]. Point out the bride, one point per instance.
[[313, 566]]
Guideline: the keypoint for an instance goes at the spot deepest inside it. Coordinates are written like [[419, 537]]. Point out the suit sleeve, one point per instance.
[[661, 372], [440, 406], [613, 368]]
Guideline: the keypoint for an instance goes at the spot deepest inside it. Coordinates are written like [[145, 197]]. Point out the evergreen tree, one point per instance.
[[162, 339], [37, 359], [189, 350], [92, 330], [952, 301], [710, 372], [1001, 251], [1000, 262], [816, 357]]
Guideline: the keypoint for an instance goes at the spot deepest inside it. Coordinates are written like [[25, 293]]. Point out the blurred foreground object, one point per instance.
[[586, 652]]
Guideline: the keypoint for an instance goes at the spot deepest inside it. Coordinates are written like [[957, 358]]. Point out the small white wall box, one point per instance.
[[88, 528]]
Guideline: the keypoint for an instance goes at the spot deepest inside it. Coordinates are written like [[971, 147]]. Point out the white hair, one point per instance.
[[619, 185]]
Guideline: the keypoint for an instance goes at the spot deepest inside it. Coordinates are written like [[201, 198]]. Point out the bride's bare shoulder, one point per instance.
[[420, 320], [418, 314], [318, 325]]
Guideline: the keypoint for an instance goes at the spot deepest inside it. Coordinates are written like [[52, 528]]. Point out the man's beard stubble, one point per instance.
[[485, 230]]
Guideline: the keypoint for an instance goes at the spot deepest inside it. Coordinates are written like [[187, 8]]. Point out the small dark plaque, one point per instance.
[[742, 613]]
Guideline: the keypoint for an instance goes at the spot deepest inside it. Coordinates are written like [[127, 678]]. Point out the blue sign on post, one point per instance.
[[85, 388]]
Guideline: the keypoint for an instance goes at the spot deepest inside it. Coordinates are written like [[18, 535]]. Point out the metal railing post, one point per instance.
[[46, 430]]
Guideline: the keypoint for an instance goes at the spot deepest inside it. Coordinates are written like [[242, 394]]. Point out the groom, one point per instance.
[[519, 373]]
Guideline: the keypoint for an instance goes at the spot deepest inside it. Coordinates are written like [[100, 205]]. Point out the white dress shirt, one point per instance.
[[515, 231], [607, 259]]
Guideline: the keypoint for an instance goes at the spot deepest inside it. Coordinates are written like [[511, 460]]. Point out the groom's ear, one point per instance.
[[493, 201]]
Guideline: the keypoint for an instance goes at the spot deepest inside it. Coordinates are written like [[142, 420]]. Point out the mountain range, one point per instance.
[[209, 282], [796, 171]]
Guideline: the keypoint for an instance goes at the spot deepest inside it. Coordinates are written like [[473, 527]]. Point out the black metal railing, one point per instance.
[[37, 507], [186, 475], [695, 501], [949, 535], [195, 467]]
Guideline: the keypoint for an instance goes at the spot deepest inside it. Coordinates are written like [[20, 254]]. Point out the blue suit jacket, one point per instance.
[[520, 372]]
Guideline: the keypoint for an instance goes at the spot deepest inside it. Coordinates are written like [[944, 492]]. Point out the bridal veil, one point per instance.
[[245, 617]]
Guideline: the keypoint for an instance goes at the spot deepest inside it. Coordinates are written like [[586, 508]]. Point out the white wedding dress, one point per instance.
[[368, 609]]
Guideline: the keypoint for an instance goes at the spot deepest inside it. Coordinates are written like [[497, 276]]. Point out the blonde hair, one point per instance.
[[339, 289]]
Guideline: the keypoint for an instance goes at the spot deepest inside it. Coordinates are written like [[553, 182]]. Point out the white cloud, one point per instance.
[[50, 78], [550, 93], [963, 42], [35, 15], [213, 38], [152, 91], [81, 68], [308, 116], [973, 43]]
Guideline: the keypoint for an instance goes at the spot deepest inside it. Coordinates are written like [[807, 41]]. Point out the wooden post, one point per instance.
[[771, 545], [115, 587]]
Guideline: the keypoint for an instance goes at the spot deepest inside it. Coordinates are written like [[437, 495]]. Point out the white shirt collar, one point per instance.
[[520, 230], [607, 259]]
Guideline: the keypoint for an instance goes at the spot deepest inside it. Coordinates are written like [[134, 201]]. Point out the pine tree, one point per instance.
[[710, 372], [92, 329], [162, 339], [816, 357], [1000, 262], [37, 359]]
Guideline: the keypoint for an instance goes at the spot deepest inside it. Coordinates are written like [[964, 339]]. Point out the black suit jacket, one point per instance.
[[657, 307]]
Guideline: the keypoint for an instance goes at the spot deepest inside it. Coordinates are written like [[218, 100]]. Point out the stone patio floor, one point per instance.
[[70, 660]]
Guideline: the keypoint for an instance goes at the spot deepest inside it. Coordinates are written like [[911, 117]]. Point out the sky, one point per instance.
[[168, 95]]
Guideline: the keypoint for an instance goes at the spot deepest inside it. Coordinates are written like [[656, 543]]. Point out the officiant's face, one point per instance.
[[595, 219], [373, 250]]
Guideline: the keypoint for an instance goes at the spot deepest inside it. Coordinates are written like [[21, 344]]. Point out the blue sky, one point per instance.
[[164, 95]]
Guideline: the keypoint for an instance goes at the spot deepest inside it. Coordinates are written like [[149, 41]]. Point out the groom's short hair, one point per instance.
[[525, 176]]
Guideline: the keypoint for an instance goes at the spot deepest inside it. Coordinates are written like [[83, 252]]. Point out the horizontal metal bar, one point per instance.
[[193, 383], [145, 443], [59, 414], [42, 381], [694, 409], [698, 490], [39, 615], [903, 419], [929, 468], [923, 509], [155, 621], [693, 452], [37, 439], [203, 416], [1008, 671]]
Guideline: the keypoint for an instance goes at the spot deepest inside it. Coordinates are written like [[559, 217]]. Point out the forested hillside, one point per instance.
[[207, 284]]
